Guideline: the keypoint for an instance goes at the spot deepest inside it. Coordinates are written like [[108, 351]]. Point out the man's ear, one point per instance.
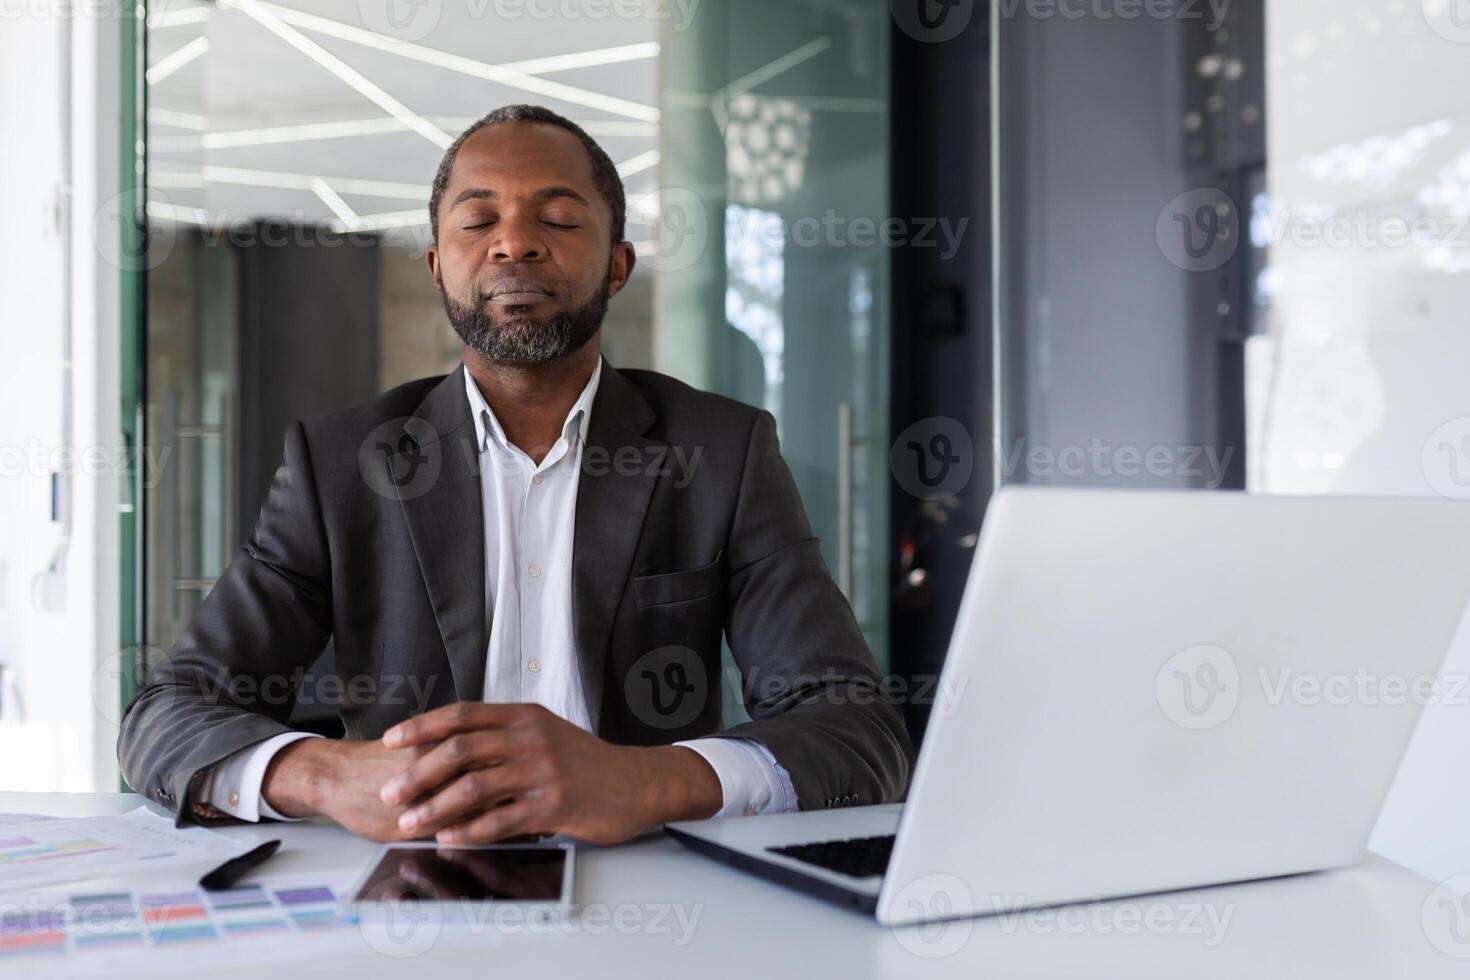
[[623, 259], [432, 257]]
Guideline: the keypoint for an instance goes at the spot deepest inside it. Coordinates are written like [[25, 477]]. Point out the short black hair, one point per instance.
[[604, 171]]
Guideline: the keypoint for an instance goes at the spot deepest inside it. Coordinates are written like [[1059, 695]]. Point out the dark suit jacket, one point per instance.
[[688, 525]]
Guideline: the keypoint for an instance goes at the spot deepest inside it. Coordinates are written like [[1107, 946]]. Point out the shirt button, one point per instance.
[[535, 570], [234, 799], [534, 666], [538, 478]]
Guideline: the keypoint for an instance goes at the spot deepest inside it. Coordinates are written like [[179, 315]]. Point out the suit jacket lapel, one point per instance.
[[612, 498], [442, 505]]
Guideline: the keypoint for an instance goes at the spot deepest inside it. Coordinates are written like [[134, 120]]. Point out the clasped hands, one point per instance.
[[472, 773]]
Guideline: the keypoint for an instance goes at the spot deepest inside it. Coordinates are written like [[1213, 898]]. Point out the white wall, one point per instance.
[[1369, 117], [65, 742]]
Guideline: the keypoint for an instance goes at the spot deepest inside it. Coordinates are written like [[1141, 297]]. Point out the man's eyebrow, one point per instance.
[[473, 194], [547, 193], [544, 194]]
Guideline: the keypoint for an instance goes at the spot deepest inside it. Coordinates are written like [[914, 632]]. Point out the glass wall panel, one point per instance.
[[768, 235]]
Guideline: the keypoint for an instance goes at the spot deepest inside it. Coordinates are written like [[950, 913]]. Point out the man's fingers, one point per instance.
[[437, 766], [476, 790], [497, 824], [463, 716]]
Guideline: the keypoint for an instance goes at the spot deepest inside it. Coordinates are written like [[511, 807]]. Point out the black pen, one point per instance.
[[236, 868]]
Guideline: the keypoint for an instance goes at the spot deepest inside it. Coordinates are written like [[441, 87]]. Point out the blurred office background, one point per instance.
[[1221, 246]]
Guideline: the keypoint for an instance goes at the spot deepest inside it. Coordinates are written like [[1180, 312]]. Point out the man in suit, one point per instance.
[[525, 569]]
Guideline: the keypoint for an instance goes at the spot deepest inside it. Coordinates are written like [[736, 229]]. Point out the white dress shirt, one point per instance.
[[529, 519]]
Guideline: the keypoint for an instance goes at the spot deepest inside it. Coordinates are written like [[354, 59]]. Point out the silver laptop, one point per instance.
[[1147, 691]]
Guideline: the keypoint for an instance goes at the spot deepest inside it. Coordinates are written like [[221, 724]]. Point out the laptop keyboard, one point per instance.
[[860, 857]]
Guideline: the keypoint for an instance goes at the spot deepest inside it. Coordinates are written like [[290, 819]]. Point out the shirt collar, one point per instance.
[[487, 424]]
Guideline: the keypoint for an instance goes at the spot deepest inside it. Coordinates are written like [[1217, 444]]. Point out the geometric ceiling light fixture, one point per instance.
[[721, 97], [505, 75], [267, 19], [343, 129]]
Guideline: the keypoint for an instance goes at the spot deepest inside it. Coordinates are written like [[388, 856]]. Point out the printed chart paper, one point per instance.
[[165, 927], [48, 851]]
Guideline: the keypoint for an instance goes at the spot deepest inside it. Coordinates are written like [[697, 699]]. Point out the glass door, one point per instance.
[[766, 237], [190, 354]]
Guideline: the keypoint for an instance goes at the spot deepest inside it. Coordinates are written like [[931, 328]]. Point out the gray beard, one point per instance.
[[520, 338]]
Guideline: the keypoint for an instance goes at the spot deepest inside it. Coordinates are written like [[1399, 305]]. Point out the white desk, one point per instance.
[[1364, 922]]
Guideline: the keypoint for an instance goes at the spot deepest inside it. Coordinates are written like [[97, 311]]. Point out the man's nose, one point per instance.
[[518, 241]]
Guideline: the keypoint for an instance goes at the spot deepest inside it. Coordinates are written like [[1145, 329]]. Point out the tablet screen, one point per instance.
[[446, 874]]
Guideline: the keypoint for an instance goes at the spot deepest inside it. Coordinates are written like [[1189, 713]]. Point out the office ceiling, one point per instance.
[[337, 112]]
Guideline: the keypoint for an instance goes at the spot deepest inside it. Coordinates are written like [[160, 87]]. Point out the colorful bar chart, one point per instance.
[[24, 850], [139, 920], [43, 853]]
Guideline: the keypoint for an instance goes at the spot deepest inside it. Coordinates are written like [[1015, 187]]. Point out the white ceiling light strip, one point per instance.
[[171, 63], [303, 133], [467, 66], [385, 222], [631, 128], [348, 128], [620, 127], [181, 17], [345, 215], [584, 59], [173, 212], [175, 179], [719, 100], [268, 19], [178, 120], [771, 69], [638, 164], [305, 182]]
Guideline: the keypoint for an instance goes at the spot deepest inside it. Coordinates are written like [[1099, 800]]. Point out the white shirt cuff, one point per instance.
[[752, 781], [233, 784]]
